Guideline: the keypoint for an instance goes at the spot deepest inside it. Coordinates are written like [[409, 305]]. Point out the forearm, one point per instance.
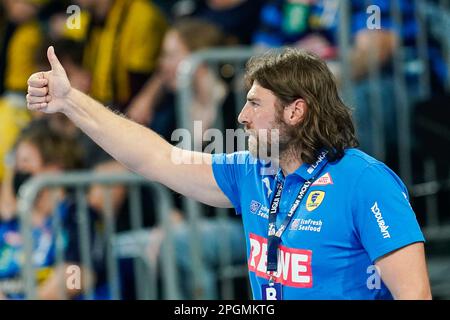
[[7, 198], [135, 146], [371, 48]]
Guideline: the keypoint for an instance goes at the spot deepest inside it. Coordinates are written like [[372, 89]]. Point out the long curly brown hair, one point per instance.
[[292, 74]]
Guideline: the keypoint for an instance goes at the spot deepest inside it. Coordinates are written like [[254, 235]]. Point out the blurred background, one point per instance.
[[75, 224]]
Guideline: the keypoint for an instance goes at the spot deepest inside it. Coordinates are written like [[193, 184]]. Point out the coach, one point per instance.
[[324, 226]]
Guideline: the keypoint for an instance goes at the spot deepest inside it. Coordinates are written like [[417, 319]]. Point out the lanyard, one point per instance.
[[274, 236]]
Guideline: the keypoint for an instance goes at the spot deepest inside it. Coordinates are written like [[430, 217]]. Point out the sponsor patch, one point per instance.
[[294, 265], [294, 224], [323, 180], [314, 200], [254, 206]]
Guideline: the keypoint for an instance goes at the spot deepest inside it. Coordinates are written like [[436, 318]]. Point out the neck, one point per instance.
[[289, 162]]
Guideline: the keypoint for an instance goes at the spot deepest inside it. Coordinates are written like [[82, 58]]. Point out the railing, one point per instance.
[[80, 181]]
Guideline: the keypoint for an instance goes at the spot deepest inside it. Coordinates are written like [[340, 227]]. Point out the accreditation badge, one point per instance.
[[272, 291]]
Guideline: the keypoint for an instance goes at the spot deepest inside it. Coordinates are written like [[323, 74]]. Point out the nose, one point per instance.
[[243, 117]]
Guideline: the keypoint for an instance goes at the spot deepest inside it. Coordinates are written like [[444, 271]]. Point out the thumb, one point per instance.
[[54, 62]]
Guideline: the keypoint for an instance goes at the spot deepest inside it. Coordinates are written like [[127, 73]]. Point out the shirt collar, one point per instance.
[[307, 171]]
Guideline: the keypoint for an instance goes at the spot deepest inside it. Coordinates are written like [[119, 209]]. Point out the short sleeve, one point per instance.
[[383, 217], [228, 170]]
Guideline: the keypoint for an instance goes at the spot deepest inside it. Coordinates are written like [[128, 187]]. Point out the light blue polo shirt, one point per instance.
[[356, 211]]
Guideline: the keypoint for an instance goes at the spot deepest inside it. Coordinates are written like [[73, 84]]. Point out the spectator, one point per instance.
[[155, 106], [122, 44], [237, 19], [20, 37], [80, 77], [13, 118], [313, 26], [39, 150]]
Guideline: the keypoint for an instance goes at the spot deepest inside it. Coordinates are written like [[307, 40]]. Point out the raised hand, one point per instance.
[[48, 91]]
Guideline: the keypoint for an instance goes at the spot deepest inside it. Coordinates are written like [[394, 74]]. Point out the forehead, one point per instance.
[[172, 40], [28, 150], [258, 92]]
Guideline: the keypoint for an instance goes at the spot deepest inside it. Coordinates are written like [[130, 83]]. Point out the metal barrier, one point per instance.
[[403, 102], [236, 58], [80, 181]]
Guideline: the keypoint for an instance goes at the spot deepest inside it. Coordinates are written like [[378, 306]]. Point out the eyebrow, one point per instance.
[[251, 99]]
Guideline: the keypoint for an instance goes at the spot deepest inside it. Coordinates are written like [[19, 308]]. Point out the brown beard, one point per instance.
[[286, 141], [286, 145]]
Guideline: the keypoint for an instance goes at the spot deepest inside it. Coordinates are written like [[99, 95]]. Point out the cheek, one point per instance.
[[263, 119]]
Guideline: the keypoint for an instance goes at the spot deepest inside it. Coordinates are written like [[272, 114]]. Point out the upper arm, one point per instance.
[[383, 218], [404, 272], [389, 231], [190, 173]]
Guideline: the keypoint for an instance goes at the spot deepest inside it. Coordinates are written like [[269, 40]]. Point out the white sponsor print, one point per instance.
[[254, 206], [259, 209], [319, 160], [263, 212], [306, 225], [267, 184], [407, 199], [294, 265], [383, 226]]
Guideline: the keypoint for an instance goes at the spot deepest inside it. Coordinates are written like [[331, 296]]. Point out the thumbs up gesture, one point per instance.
[[48, 91]]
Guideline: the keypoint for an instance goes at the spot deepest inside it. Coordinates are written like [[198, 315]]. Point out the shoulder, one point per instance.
[[241, 165], [369, 173], [356, 161], [241, 159]]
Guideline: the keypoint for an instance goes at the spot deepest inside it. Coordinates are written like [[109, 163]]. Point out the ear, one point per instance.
[[295, 112]]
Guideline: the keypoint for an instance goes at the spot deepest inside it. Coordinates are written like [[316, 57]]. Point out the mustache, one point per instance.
[[249, 131], [259, 132]]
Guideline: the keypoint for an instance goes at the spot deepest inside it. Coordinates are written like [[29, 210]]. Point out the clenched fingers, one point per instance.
[[31, 99], [37, 92], [37, 106], [37, 80]]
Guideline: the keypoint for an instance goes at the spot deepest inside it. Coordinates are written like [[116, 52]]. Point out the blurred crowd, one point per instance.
[[125, 53]]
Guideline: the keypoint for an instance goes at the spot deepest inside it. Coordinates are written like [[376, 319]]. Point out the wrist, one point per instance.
[[70, 102]]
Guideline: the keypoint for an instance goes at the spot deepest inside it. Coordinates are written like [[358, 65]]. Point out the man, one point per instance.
[[355, 213]]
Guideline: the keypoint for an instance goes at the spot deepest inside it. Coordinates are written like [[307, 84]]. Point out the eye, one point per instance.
[[254, 104]]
